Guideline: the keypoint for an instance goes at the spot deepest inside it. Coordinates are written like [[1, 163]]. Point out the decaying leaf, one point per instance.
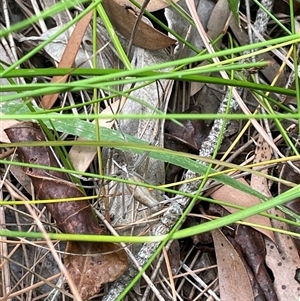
[[89, 264], [256, 289], [190, 135], [237, 197], [218, 19], [93, 265], [124, 18], [263, 152], [56, 48], [253, 248], [250, 245], [283, 260], [234, 281], [290, 174], [68, 57], [187, 137]]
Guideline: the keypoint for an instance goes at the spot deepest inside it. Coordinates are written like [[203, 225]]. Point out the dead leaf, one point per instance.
[[110, 260], [253, 248], [249, 244], [68, 57], [218, 18], [124, 19], [291, 175], [263, 152], [187, 137], [178, 23], [93, 265], [4, 124], [283, 260], [234, 196], [233, 278], [57, 47], [257, 291]]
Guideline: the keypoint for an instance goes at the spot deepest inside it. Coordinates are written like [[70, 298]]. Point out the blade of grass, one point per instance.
[[188, 232]]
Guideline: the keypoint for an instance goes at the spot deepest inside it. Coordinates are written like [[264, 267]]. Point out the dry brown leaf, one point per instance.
[[4, 124], [263, 152], [87, 263], [68, 57], [92, 264], [282, 256], [283, 260], [218, 19], [291, 174], [124, 19], [252, 246], [187, 137], [234, 196], [233, 278], [153, 5]]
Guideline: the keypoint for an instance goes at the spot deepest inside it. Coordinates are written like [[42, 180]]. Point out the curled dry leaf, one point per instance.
[[123, 18], [89, 264], [253, 247]]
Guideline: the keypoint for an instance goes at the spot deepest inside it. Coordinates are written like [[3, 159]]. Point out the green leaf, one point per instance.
[[234, 7]]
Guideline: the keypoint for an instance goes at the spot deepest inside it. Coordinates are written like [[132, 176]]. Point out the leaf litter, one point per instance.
[[102, 262], [240, 252]]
